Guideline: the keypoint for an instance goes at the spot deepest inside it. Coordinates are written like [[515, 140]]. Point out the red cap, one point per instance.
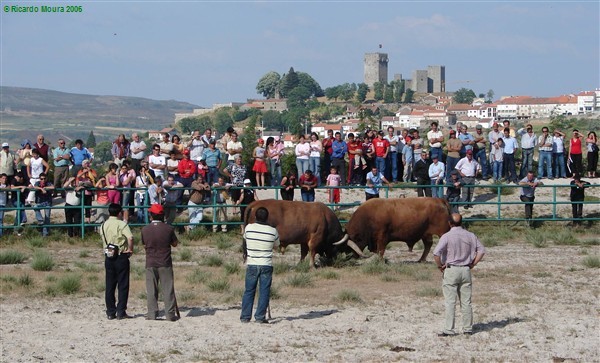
[[156, 209], [260, 141], [186, 152], [469, 152]]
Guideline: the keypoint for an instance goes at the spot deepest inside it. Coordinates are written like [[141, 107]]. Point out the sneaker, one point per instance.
[[444, 334], [124, 316], [263, 321], [111, 317], [244, 320]]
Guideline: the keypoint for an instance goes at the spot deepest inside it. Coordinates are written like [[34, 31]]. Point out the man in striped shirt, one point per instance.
[[259, 241]]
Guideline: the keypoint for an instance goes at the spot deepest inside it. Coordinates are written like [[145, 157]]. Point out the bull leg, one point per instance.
[[427, 243], [303, 251], [380, 248], [282, 249]]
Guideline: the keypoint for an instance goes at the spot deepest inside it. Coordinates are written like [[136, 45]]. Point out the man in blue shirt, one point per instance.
[[510, 147], [467, 141], [78, 155], [340, 148], [374, 180]]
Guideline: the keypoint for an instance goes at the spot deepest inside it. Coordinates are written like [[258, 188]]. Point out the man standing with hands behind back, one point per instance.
[[158, 238], [116, 232], [259, 241], [457, 252]]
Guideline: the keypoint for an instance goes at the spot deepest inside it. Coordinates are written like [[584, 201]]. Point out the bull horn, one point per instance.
[[355, 248], [343, 240]]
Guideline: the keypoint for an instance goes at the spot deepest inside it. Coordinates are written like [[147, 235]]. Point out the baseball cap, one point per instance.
[[5, 144], [186, 152], [434, 156], [479, 127], [260, 141], [156, 209], [469, 152], [495, 124], [199, 158], [247, 181]]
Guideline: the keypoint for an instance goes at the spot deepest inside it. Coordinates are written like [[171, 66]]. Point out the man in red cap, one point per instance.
[[158, 238]]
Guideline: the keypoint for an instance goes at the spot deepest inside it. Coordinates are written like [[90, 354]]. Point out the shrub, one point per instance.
[[429, 292], [212, 261], [351, 296], [218, 285], [185, 254], [374, 267], [300, 280], [69, 284], [197, 276], [232, 268], [11, 257], [591, 262], [223, 243], [329, 275], [37, 242], [42, 261], [87, 267], [281, 268], [303, 266]]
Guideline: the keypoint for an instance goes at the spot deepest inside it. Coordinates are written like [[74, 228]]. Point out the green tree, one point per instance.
[[378, 89], [347, 91], [288, 82], [91, 140], [189, 124], [409, 95], [222, 120], [361, 92], [306, 81], [267, 85], [489, 96], [388, 94], [248, 139], [398, 91], [333, 93], [102, 152], [464, 95], [272, 120]]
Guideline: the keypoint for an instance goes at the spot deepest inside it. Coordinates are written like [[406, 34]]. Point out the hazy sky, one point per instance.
[[205, 52]]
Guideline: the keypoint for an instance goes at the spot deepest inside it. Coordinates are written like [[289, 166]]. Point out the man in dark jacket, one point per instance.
[[421, 172]]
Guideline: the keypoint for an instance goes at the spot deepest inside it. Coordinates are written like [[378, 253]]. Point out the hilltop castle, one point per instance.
[[423, 81]]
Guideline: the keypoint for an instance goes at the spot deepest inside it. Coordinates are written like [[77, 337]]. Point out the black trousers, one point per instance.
[[73, 216], [577, 209], [528, 206], [117, 277]]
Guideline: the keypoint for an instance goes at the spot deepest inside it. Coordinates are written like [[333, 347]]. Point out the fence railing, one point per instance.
[[501, 196]]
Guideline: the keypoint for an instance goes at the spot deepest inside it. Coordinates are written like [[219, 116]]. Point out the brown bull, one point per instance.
[[311, 225], [380, 221]]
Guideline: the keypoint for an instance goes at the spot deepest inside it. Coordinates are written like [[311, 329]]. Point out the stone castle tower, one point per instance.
[[376, 68]]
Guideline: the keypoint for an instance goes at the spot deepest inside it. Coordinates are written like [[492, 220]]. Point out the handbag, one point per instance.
[[111, 251]]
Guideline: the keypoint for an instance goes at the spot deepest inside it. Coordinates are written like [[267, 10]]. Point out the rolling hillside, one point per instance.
[[25, 112]]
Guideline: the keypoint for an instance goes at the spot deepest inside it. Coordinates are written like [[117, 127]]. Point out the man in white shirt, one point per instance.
[[558, 154], [528, 142], [234, 147], [157, 162], [137, 149], [436, 174], [435, 138], [196, 146], [468, 168]]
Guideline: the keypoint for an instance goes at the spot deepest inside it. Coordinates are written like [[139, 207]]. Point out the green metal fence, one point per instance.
[[502, 197]]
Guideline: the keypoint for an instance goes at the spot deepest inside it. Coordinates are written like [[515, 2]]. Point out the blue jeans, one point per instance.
[[545, 158], [314, 164], [1, 219], [380, 164], [213, 175], [481, 158], [45, 220], [302, 166], [196, 214], [497, 170], [20, 216], [526, 162], [308, 196], [275, 171], [392, 159], [261, 276], [559, 165], [437, 189]]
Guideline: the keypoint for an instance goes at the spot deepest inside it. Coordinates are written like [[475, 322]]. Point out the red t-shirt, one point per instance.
[[381, 146], [575, 146], [186, 168]]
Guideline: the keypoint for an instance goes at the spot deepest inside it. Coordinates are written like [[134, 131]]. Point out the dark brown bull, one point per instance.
[[311, 225], [380, 221]]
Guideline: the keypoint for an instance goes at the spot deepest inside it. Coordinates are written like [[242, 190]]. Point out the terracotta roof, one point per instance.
[[460, 107]]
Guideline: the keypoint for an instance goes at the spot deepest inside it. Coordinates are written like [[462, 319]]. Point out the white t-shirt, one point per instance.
[[160, 160], [135, 145], [233, 145], [394, 138], [434, 135]]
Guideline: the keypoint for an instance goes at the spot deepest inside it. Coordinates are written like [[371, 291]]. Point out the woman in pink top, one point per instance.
[[575, 152], [112, 183]]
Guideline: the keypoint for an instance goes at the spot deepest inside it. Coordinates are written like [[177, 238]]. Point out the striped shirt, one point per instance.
[[260, 241]]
